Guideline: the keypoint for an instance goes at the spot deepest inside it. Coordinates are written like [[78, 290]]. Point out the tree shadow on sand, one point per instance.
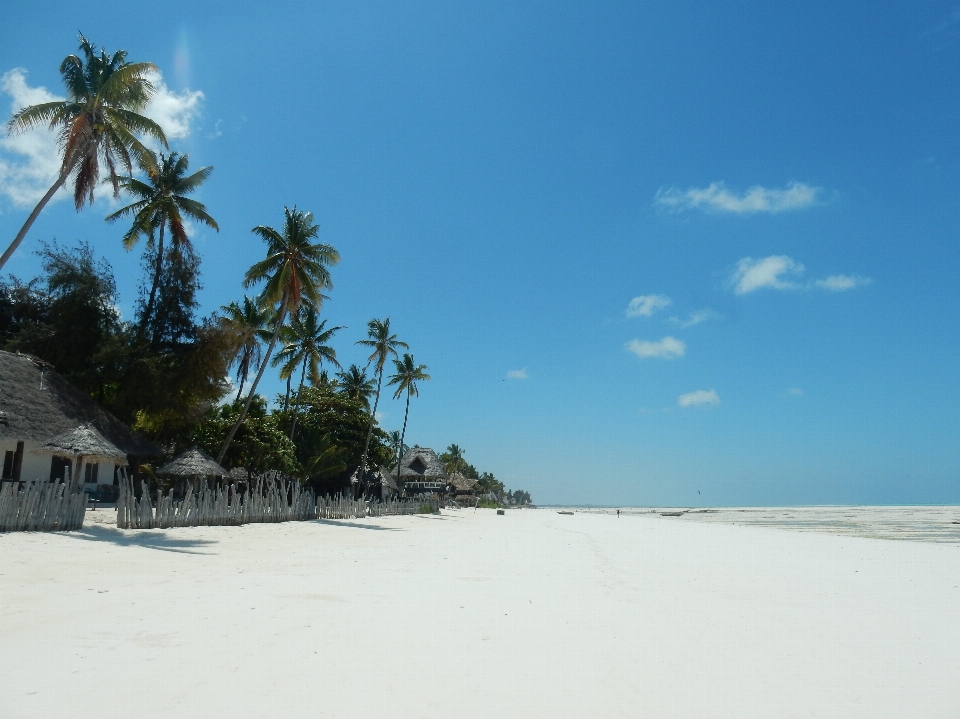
[[148, 539], [355, 525]]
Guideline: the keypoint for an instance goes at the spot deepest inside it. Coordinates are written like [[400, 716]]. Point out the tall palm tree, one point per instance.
[[99, 121], [305, 343], [384, 346], [399, 448], [453, 459], [161, 202], [355, 385], [405, 380], [249, 322], [294, 270]]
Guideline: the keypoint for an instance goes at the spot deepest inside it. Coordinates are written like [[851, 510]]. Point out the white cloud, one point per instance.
[[696, 318], [30, 162], [752, 274], [717, 197], [841, 283], [698, 397], [646, 305], [795, 392], [518, 374], [780, 272], [173, 111], [667, 348]]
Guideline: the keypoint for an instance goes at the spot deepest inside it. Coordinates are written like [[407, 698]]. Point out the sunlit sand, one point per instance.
[[470, 614]]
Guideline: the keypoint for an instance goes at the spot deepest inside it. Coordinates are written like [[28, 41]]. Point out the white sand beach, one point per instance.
[[470, 614]]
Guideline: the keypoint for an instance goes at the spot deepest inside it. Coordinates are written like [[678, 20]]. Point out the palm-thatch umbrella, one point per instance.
[[193, 463], [83, 442]]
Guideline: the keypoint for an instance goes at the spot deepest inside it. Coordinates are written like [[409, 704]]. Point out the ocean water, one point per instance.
[[918, 524]]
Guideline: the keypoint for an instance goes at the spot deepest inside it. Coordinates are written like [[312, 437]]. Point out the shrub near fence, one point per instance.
[[41, 506], [266, 501]]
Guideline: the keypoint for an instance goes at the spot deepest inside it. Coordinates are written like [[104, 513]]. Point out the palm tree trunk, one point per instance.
[[36, 211], [253, 388], [156, 283], [286, 398], [242, 371], [296, 407], [373, 416], [403, 434]]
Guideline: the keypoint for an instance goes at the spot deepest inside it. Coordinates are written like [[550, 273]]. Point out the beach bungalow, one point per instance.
[[48, 425], [463, 490], [421, 472]]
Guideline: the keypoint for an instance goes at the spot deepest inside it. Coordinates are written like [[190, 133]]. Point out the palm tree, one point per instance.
[[399, 447], [249, 322], [355, 385], [406, 378], [326, 461], [305, 343], [99, 121], [325, 383], [161, 202], [453, 459], [384, 346], [295, 269]]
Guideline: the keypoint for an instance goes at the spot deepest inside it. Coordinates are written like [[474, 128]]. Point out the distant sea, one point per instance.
[[919, 524]]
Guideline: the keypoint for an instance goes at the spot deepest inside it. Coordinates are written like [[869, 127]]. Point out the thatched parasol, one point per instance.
[[84, 442], [194, 463]]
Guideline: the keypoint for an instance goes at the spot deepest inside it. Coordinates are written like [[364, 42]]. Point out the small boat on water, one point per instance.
[[564, 512], [670, 514]]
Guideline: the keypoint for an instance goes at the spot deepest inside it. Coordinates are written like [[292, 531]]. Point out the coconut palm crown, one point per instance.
[[407, 376], [248, 321], [384, 345], [98, 122], [354, 384], [295, 270], [305, 346], [161, 202]]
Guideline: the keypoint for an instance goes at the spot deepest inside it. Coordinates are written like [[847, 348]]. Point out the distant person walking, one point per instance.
[[618, 514]]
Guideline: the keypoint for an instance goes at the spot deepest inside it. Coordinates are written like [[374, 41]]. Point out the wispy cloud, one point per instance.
[[695, 318], [718, 198], [667, 348], [771, 272], [646, 305], [779, 272], [30, 162], [518, 374], [698, 398], [795, 392], [842, 283]]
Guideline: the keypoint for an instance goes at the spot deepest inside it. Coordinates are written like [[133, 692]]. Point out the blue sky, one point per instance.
[[658, 254]]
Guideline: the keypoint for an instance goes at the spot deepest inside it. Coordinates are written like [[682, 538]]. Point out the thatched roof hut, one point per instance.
[[37, 404], [418, 464], [421, 471], [83, 441], [462, 485], [193, 463]]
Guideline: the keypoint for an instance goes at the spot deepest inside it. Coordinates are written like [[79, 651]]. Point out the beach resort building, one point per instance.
[[463, 490], [49, 429], [421, 472]]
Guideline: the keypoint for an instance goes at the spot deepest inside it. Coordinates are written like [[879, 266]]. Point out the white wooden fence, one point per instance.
[[41, 506], [266, 501]]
